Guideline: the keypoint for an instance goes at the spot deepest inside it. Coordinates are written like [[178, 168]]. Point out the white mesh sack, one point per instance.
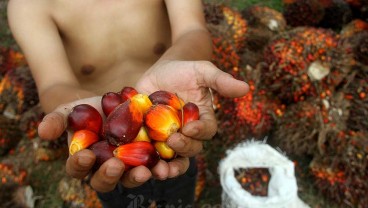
[[282, 187]]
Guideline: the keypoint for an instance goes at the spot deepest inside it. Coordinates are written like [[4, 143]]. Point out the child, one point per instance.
[[80, 49]]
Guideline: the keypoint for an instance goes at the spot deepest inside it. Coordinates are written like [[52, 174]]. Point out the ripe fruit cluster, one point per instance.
[[136, 126]]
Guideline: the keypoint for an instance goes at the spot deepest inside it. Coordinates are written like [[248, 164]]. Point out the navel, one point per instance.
[[159, 49], [87, 69]]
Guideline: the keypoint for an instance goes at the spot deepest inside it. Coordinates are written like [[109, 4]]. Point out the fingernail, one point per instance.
[[114, 170], [85, 161]]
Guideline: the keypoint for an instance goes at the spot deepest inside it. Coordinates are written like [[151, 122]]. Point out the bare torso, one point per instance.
[[111, 43]]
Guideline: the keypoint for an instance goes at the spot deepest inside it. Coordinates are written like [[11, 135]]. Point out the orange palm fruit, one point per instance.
[[142, 136], [127, 92], [161, 121], [165, 152], [137, 153], [166, 98], [143, 101], [82, 139], [123, 124]]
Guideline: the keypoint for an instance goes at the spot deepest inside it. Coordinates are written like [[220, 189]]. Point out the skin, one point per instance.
[[77, 55]]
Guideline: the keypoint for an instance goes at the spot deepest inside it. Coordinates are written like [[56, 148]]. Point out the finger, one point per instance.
[[178, 166], [220, 81], [108, 175], [80, 164], [55, 123], [161, 170], [184, 146], [136, 177], [52, 126]]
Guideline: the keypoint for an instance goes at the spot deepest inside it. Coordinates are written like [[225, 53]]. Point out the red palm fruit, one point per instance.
[[166, 98], [142, 136], [137, 153], [82, 139], [109, 102], [165, 152], [85, 116], [103, 151], [127, 92], [143, 101], [123, 124], [189, 113], [161, 121]]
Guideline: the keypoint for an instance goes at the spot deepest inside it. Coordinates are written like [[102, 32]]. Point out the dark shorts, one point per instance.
[[176, 192]]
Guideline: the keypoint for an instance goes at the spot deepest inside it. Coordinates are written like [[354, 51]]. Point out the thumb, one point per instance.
[[222, 82]]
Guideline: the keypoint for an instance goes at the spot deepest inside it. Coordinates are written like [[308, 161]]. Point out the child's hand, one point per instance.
[[191, 81]]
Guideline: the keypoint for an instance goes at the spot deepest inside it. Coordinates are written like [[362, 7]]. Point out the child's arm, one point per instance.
[[36, 33]]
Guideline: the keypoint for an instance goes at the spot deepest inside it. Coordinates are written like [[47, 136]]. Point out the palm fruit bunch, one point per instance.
[[303, 127], [303, 61], [228, 30], [254, 180], [263, 24], [337, 13], [18, 92], [9, 175], [303, 12], [10, 134], [135, 129], [10, 59], [341, 174], [250, 116]]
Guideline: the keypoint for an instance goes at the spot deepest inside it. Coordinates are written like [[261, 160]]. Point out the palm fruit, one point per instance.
[[103, 151], [123, 124], [137, 153], [166, 98], [85, 117], [303, 127], [165, 152], [161, 121], [10, 59], [142, 136], [226, 22], [303, 61], [18, 92], [303, 12], [127, 92], [341, 173], [143, 101], [10, 134], [337, 13], [82, 139], [190, 112], [110, 101]]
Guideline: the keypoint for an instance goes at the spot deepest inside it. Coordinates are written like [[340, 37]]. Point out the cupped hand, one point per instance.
[[191, 81], [79, 165]]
